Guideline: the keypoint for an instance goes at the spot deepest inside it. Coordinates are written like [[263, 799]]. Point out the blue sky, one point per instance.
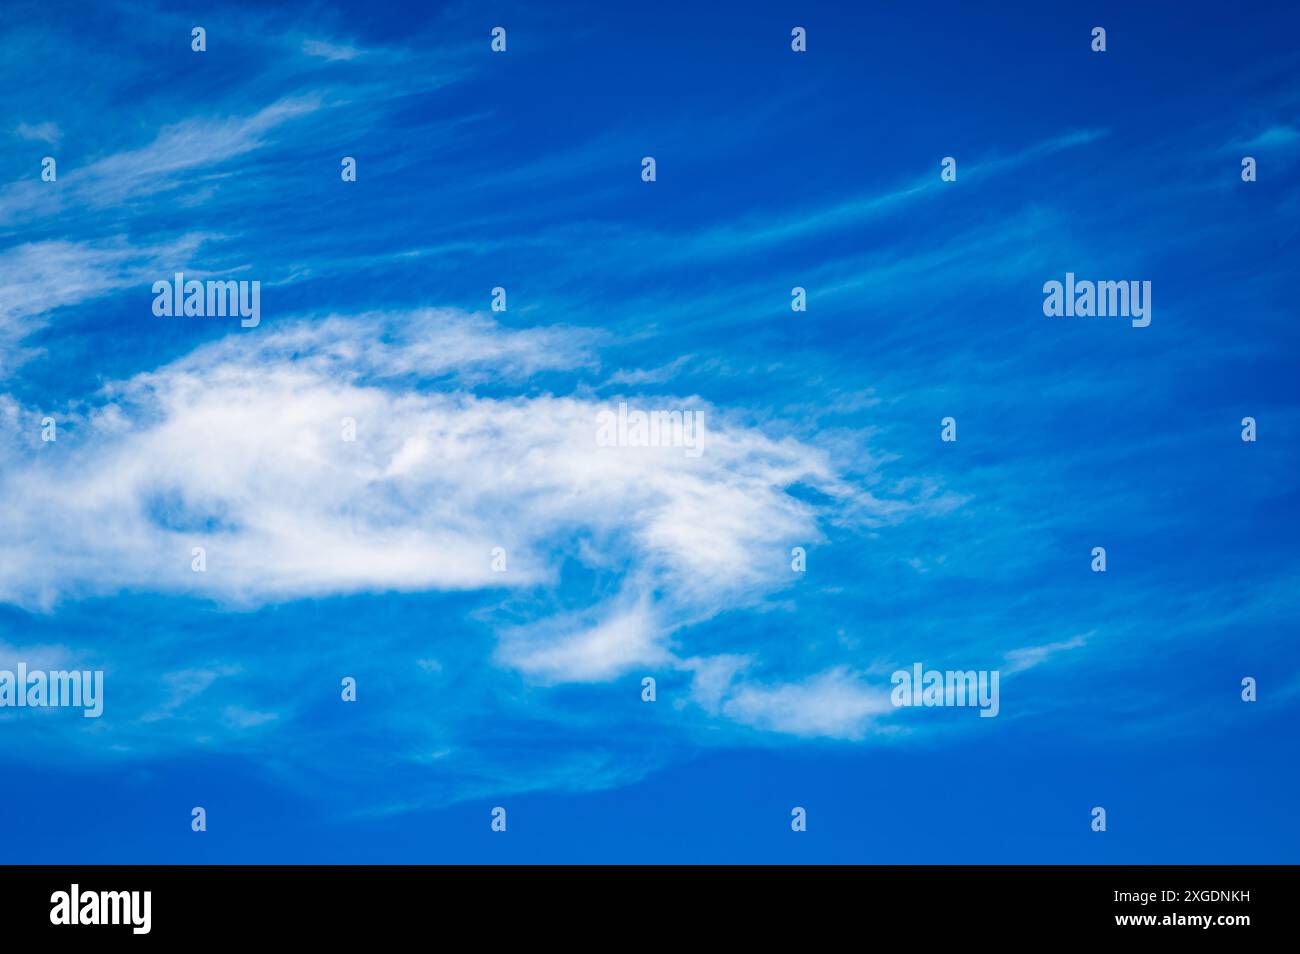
[[475, 429]]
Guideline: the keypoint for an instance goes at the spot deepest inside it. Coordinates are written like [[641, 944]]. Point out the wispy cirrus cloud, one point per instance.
[[331, 51], [1027, 657], [178, 149], [295, 509], [37, 278], [836, 704], [39, 132], [238, 448]]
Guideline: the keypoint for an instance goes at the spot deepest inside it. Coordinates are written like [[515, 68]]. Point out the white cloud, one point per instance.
[[1030, 656], [156, 167], [39, 132], [330, 51], [569, 650], [238, 717], [835, 704], [712, 677], [238, 448], [183, 687], [659, 375], [38, 277]]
